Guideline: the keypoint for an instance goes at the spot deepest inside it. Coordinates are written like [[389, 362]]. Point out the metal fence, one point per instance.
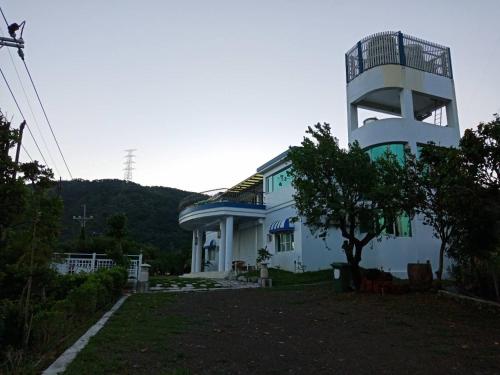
[[222, 195], [391, 47], [69, 263]]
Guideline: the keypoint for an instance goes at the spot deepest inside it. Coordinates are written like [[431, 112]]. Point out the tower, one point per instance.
[[406, 86], [129, 164]]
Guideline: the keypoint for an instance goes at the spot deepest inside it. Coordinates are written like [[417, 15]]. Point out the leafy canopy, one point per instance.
[[343, 188]]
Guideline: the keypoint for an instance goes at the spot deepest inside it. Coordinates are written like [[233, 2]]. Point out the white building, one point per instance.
[[407, 83]]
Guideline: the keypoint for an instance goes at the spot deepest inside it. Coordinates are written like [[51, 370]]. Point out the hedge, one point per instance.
[[72, 301]]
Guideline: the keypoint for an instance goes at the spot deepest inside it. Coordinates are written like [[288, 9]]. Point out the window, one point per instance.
[[399, 227], [397, 149], [278, 181], [284, 242]]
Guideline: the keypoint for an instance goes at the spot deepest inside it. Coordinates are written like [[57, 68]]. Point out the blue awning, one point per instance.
[[282, 226], [210, 245]]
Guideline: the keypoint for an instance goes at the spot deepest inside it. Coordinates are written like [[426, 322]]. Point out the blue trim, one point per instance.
[[451, 69], [207, 206], [281, 226], [401, 46], [360, 58], [346, 69]]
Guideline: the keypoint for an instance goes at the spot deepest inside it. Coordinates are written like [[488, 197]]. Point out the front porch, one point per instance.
[[227, 228]]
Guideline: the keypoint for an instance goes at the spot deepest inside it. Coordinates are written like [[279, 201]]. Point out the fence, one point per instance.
[[397, 48], [68, 263]]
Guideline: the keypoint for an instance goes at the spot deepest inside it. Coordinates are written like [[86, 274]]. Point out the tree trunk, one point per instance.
[[439, 272], [356, 275]]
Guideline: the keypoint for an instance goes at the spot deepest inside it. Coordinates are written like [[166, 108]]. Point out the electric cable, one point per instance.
[[22, 115], [47, 118], [32, 112]]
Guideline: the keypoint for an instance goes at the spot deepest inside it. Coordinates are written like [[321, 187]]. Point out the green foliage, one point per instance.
[[71, 301], [345, 189], [284, 278], [460, 200], [442, 183], [263, 255], [152, 216], [171, 263]]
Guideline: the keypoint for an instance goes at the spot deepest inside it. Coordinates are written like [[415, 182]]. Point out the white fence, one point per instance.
[[68, 263]]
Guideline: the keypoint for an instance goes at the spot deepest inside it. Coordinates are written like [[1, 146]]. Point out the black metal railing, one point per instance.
[[391, 47], [221, 195]]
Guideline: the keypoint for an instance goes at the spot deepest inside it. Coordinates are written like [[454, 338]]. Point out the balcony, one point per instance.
[[397, 48], [244, 200], [221, 198]]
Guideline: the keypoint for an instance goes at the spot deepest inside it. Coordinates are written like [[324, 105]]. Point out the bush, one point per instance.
[[92, 293]]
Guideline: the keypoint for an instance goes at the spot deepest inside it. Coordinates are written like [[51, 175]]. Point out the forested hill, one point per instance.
[[151, 211]]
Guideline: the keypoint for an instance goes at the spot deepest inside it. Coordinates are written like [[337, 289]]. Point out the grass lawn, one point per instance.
[[141, 329], [306, 330], [285, 278]]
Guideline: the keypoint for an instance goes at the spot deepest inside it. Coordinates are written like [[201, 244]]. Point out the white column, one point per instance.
[[352, 116], [193, 252], [199, 244], [452, 115], [222, 245], [229, 243], [406, 101]]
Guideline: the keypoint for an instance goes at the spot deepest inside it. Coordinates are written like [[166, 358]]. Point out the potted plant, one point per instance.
[[262, 258]]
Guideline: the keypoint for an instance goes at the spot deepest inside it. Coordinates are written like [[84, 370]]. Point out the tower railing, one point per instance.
[[391, 47]]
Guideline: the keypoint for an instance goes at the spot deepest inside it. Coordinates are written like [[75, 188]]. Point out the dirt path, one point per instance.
[[316, 332]]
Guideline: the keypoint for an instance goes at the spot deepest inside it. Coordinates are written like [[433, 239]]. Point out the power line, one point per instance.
[[47, 118], [5, 19], [22, 115], [26, 152], [32, 112], [21, 55]]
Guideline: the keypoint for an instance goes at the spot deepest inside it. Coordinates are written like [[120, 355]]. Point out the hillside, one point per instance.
[[151, 211]]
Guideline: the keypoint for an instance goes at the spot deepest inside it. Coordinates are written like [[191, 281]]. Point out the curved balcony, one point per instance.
[[201, 208], [396, 48]]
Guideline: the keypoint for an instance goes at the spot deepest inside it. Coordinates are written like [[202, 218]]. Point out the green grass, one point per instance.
[[135, 340], [285, 278], [181, 282]]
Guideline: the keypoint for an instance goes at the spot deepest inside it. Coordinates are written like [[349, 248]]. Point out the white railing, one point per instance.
[[69, 263]]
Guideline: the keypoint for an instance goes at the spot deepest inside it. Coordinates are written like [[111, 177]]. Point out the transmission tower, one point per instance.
[[129, 164]]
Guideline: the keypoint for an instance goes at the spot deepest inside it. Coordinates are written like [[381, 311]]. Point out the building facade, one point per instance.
[[403, 87]]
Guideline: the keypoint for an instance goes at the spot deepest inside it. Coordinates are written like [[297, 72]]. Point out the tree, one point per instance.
[[346, 190], [442, 183], [117, 230], [479, 242], [29, 226]]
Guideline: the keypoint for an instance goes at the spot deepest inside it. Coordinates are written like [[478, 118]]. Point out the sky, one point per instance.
[[207, 91]]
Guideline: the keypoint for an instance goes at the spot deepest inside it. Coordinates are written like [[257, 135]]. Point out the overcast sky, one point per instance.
[[207, 91]]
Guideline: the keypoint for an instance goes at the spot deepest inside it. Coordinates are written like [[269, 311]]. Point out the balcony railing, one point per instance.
[[221, 195], [397, 48]]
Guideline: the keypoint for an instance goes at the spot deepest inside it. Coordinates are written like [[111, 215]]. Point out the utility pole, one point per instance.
[[129, 164], [18, 149], [83, 221], [18, 43]]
